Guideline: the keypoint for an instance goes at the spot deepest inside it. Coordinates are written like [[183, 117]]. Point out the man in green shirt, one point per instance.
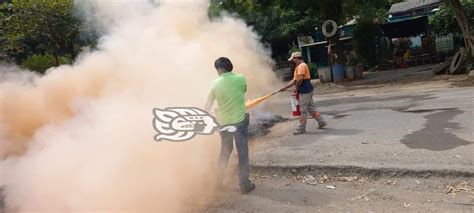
[[229, 90]]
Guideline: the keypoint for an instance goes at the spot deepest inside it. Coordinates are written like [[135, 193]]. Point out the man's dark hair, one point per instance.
[[224, 63]]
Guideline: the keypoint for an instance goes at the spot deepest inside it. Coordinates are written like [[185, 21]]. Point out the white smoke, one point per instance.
[[13, 74]]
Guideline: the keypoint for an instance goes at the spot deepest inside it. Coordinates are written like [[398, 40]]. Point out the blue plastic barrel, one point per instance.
[[338, 72]]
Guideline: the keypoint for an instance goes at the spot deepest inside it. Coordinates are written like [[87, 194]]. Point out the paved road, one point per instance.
[[409, 130]]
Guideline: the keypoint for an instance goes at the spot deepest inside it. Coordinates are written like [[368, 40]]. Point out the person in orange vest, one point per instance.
[[304, 88]]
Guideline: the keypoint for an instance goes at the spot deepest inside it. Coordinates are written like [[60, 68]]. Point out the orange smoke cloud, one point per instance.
[[80, 137]]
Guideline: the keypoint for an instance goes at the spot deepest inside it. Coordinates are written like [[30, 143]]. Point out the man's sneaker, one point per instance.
[[247, 189], [299, 132], [322, 124]]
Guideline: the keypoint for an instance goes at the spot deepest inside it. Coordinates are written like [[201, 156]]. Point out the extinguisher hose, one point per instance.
[[255, 102]]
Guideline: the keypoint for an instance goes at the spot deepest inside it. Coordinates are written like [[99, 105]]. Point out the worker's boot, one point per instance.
[[300, 130], [321, 122], [247, 188]]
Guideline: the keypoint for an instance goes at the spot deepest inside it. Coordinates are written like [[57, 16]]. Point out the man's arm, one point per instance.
[[290, 84]]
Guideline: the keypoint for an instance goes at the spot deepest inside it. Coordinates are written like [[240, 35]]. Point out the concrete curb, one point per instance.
[[348, 170]]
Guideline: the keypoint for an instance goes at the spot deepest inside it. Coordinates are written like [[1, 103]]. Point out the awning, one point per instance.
[[324, 42], [406, 28]]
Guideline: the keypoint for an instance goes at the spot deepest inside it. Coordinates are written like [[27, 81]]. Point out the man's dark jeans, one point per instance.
[[241, 142]]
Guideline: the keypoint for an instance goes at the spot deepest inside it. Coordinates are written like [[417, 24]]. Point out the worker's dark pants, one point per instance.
[[241, 142]]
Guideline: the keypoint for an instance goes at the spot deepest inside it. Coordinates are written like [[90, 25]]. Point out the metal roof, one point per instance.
[[409, 5]]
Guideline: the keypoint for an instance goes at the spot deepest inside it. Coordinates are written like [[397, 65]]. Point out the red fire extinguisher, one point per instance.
[[295, 104]]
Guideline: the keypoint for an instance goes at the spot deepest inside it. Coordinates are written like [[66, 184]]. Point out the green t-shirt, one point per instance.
[[229, 91]]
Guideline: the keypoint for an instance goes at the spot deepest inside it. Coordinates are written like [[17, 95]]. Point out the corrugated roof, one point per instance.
[[411, 5]]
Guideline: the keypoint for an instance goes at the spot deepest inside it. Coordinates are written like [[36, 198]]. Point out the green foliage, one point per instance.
[[271, 19], [282, 18], [41, 63], [40, 26], [215, 8], [364, 34], [293, 49], [368, 41], [313, 70], [279, 22], [444, 21], [376, 10]]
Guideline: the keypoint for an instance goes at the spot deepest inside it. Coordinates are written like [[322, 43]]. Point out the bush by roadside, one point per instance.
[[313, 70], [40, 63]]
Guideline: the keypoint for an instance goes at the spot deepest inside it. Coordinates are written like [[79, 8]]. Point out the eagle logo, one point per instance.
[[183, 123]]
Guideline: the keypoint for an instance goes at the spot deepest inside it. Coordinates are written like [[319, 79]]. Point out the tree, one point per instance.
[[39, 27], [368, 13], [282, 18], [444, 21], [367, 37], [271, 19], [463, 22]]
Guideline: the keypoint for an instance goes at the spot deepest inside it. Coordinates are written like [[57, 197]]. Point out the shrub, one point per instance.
[[313, 70], [40, 63]]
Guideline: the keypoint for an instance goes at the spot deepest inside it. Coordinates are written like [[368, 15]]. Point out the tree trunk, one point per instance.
[[71, 50], [463, 22], [56, 59]]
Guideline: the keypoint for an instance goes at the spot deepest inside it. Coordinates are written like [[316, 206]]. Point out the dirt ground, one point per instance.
[[420, 78], [318, 193]]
